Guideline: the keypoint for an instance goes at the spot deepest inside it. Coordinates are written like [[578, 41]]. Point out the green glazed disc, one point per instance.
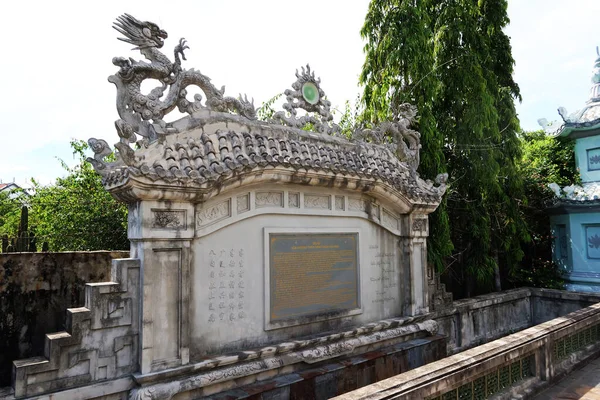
[[310, 92]]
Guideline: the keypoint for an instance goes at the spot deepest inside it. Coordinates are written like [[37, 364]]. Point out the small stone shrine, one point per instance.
[[259, 249], [575, 214]]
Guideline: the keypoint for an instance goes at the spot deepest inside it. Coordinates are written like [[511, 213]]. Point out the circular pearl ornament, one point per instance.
[[310, 92]]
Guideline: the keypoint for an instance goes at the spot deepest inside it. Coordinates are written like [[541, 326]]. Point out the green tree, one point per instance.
[[452, 60], [10, 212], [77, 213], [265, 111], [349, 118], [546, 159]]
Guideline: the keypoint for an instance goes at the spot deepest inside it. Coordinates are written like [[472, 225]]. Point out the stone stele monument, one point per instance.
[[259, 249]]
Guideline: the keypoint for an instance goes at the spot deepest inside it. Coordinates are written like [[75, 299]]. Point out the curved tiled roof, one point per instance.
[[221, 139], [590, 114], [587, 117], [200, 159]]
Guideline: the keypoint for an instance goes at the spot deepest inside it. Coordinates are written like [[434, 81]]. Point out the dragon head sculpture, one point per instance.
[[141, 34], [142, 114]]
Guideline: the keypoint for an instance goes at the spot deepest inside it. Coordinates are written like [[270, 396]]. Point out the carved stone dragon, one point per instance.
[[138, 110], [148, 38], [396, 135]]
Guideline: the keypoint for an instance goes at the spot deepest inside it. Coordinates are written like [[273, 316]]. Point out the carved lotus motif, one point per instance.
[[594, 241]]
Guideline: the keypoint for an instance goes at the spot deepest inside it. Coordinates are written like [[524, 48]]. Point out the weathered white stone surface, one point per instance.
[[384, 278], [552, 349], [188, 301], [101, 341]]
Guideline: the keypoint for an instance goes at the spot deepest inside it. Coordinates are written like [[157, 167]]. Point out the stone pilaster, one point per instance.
[[161, 234], [414, 247]]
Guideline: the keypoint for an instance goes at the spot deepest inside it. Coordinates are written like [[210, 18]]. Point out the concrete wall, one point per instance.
[[584, 228], [35, 291], [214, 332], [471, 322], [341, 375], [208, 285], [575, 249], [368, 354]]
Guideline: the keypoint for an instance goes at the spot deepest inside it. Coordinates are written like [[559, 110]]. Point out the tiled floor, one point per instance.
[[580, 384]]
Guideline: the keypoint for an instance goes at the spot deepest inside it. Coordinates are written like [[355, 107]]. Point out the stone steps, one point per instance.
[[438, 296], [100, 341]]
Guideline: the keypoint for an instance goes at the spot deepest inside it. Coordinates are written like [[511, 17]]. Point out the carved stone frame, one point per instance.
[[271, 325]]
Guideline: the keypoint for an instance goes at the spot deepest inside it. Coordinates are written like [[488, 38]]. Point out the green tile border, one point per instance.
[[492, 383], [570, 344]]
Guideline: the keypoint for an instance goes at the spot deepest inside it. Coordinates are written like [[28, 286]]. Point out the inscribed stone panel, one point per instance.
[[312, 274]]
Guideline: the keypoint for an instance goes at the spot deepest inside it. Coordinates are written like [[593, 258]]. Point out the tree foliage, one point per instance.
[[266, 111], [10, 212], [348, 118], [546, 159], [74, 214], [452, 60]]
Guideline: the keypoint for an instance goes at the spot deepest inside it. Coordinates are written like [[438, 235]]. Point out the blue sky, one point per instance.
[[57, 56]]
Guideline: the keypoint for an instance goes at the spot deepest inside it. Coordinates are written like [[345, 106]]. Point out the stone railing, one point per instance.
[[474, 321], [36, 289], [521, 363], [100, 341]]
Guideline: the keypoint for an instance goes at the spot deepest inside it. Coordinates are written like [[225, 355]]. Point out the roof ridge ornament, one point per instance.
[[396, 134], [138, 109], [595, 89], [307, 94]]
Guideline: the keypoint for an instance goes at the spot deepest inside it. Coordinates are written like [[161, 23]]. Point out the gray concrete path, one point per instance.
[[579, 384]]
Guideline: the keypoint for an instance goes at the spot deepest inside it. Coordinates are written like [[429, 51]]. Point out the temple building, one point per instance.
[[575, 216]]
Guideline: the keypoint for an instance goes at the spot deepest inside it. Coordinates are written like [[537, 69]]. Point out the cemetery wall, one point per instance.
[[472, 321], [548, 304]]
